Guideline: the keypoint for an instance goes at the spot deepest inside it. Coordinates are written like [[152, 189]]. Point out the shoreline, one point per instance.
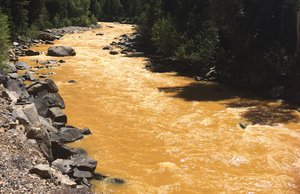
[[36, 113]]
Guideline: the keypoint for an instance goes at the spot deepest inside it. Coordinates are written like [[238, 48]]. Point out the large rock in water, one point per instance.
[[70, 134], [22, 65], [48, 85], [45, 100], [84, 163], [46, 36], [61, 51]]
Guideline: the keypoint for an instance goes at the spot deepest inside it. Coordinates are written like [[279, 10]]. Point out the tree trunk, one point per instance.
[[298, 34]]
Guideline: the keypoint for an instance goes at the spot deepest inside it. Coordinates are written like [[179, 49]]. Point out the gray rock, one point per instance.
[[35, 88], [41, 170], [17, 86], [113, 52], [45, 100], [31, 113], [82, 174], [71, 81], [11, 68], [19, 115], [13, 75], [22, 65], [61, 151], [47, 125], [86, 131], [51, 86], [58, 125], [46, 36], [84, 163], [31, 53], [61, 51], [41, 135], [70, 134], [57, 115], [62, 179], [48, 42], [65, 166], [29, 77], [108, 48]]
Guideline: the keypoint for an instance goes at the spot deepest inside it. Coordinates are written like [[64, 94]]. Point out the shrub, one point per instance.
[[4, 40], [165, 36]]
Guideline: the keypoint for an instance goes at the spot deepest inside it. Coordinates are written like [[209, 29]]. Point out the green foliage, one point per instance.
[[203, 47], [165, 36], [231, 35], [4, 40], [278, 59]]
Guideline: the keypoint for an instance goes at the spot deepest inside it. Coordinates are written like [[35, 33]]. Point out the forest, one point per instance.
[[237, 38]]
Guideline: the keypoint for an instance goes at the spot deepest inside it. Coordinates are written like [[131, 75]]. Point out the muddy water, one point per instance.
[[164, 133]]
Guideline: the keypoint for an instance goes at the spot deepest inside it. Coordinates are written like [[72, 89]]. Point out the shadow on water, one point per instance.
[[202, 91], [266, 113], [258, 111]]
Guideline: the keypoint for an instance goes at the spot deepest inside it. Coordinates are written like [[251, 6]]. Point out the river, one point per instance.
[[165, 133]]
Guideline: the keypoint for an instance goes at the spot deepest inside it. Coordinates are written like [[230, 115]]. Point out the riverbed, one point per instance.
[[165, 133]]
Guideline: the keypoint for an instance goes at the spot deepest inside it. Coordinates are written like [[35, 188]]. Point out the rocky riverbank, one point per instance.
[[34, 130]]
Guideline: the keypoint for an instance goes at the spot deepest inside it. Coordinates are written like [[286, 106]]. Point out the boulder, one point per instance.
[[64, 166], [99, 34], [86, 131], [42, 170], [113, 52], [51, 86], [82, 174], [108, 48], [11, 68], [61, 151], [22, 65], [13, 75], [28, 77], [58, 125], [31, 114], [17, 86], [48, 42], [57, 115], [31, 53], [45, 100], [19, 115], [47, 125], [62, 179], [61, 51], [35, 88], [46, 36], [70, 134], [72, 81], [84, 163], [42, 137]]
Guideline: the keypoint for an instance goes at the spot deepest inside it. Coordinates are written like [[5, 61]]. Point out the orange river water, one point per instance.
[[165, 133]]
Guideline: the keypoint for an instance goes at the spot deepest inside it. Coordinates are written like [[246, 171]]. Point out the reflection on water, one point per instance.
[[167, 134]]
